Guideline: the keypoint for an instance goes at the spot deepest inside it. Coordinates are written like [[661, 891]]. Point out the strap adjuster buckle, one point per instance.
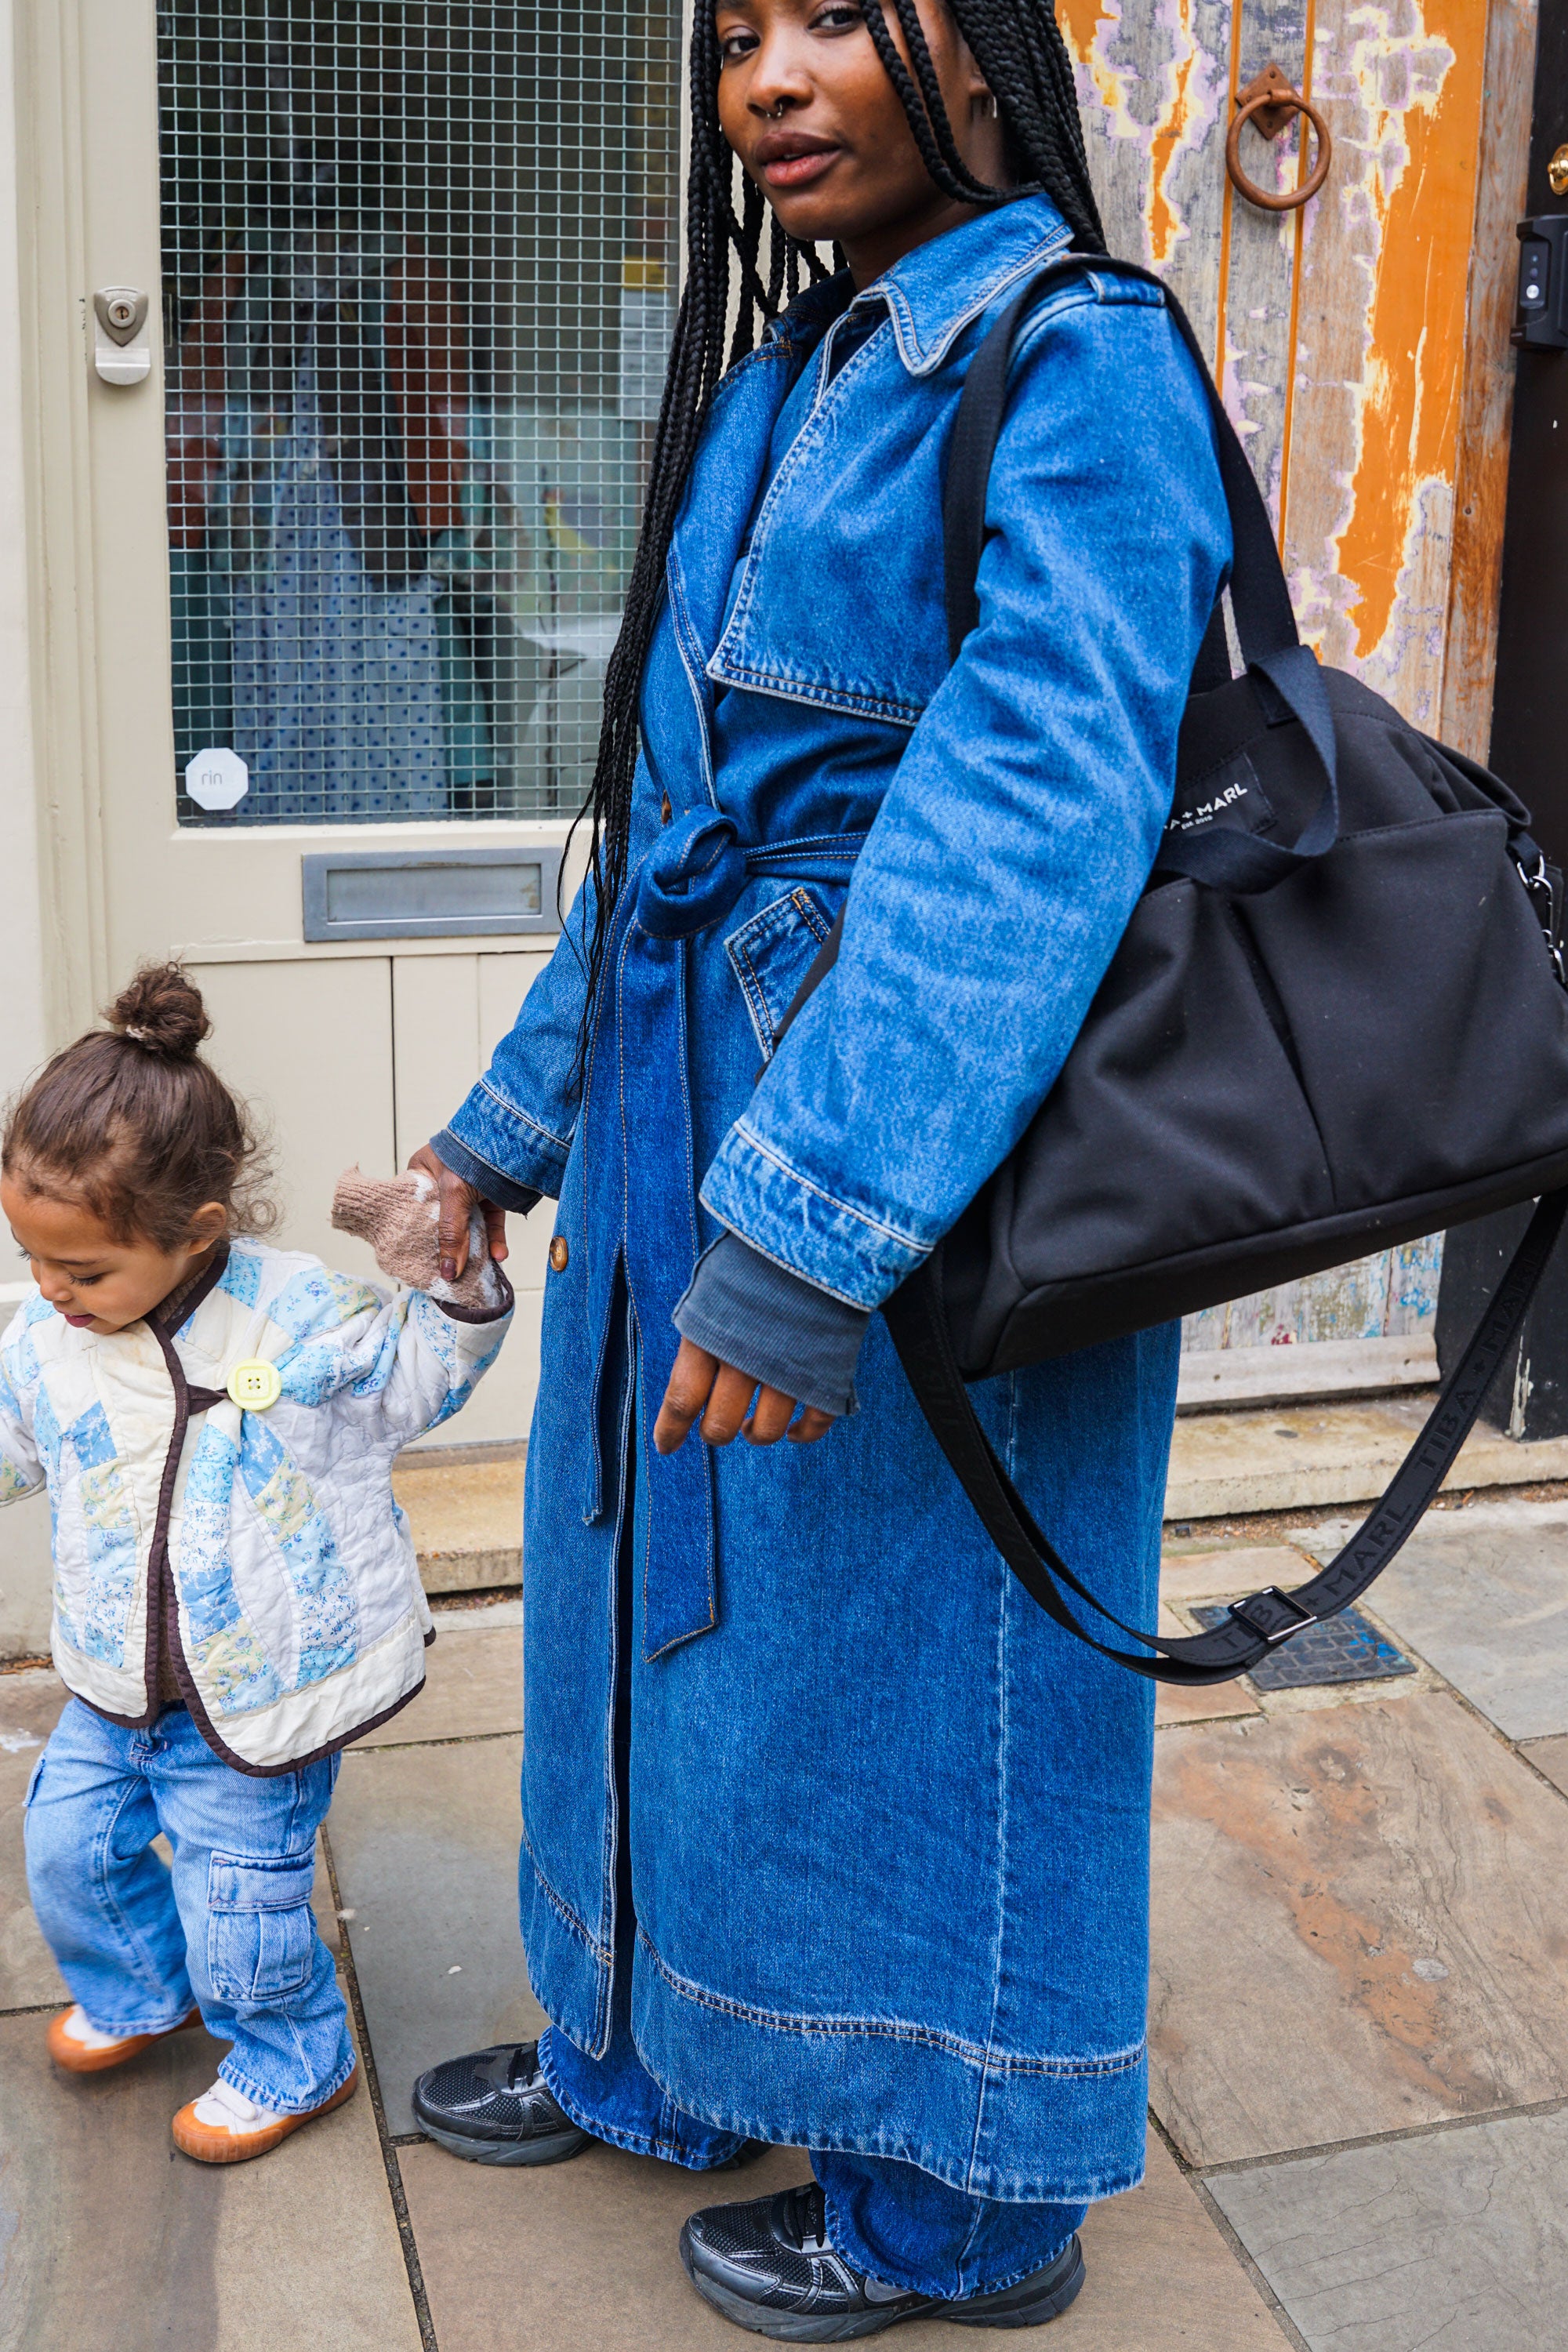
[[1271, 1614]]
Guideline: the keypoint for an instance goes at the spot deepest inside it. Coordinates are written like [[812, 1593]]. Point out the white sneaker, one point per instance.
[[223, 2127], [223, 2108], [80, 2048], [74, 2025]]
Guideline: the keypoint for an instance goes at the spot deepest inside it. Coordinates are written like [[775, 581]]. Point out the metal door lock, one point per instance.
[[122, 352], [1540, 314]]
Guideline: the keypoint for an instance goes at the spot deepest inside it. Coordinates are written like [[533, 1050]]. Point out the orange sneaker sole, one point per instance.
[[74, 2060], [209, 2146]]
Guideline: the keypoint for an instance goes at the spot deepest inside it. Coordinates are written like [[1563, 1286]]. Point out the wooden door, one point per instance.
[[1361, 344]]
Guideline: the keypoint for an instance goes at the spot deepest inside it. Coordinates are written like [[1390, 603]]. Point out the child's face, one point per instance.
[[97, 1282]]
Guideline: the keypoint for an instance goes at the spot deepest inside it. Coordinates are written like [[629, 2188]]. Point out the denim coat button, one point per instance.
[[665, 811], [559, 1255]]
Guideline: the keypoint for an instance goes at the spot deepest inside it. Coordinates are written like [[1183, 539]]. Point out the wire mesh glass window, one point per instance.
[[419, 269]]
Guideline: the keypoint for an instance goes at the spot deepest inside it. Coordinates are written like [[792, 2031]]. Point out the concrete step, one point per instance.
[[464, 1502], [465, 1507], [1293, 1457]]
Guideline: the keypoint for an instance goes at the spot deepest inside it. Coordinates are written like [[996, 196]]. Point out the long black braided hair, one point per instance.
[[1019, 48]]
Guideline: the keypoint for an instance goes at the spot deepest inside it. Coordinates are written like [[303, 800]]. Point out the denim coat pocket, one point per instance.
[[770, 955], [261, 1932]]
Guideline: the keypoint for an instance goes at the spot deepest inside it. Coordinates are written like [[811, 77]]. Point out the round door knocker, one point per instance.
[[1269, 104]]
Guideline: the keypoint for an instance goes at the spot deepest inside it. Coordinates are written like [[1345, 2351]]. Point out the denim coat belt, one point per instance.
[[688, 881]]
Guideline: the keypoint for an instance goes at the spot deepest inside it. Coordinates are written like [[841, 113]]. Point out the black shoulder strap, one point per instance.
[[916, 1314], [917, 1319], [1260, 600]]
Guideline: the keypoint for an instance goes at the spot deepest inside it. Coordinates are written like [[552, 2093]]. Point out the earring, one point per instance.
[[983, 108]]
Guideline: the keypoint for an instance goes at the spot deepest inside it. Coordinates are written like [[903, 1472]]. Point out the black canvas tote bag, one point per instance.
[[1336, 1021]]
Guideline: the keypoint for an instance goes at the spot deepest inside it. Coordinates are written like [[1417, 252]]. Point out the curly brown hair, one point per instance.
[[134, 1126]]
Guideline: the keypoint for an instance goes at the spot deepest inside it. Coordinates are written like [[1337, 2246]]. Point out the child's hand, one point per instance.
[[459, 1200], [721, 1394], [399, 1217]]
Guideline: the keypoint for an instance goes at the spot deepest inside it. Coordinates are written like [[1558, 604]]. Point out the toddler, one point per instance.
[[236, 1593]]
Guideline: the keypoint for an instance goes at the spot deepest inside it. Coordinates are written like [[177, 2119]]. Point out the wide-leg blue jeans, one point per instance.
[[230, 1929]]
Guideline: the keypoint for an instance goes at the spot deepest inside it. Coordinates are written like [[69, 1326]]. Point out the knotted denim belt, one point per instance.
[[638, 1084]]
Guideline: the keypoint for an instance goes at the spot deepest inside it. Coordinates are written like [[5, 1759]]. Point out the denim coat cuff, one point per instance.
[[786, 1333], [504, 1154], [857, 1258]]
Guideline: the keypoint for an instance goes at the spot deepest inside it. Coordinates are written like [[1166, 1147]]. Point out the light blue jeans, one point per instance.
[[230, 1929]]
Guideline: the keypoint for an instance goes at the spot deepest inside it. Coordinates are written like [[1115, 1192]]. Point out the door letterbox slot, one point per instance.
[[429, 894]]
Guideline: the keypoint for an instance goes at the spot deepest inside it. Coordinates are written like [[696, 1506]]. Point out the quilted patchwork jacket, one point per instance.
[[269, 1537]]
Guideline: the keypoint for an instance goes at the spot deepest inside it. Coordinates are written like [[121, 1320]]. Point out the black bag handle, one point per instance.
[[1260, 600], [917, 1319]]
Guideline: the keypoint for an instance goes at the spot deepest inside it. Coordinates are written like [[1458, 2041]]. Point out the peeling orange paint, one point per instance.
[[1171, 132], [1424, 204], [1080, 20]]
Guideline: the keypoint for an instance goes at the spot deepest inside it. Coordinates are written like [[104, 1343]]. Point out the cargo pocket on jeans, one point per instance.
[[261, 1932], [772, 954]]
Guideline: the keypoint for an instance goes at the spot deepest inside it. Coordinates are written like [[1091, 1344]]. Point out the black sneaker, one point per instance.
[[769, 2266], [496, 2107]]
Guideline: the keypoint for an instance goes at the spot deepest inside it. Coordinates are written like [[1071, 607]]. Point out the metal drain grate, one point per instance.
[[1345, 1649]]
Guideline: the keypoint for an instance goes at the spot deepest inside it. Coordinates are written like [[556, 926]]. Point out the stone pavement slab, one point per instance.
[[1211, 1703], [1294, 1457], [1551, 1757], [1487, 1607], [29, 1708], [425, 1841], [1360, 1924], [1230, 1574], [584, 2254], [111, 2241], [473, 1684], [1454, 2241]]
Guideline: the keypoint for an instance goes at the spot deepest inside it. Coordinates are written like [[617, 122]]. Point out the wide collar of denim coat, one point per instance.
[[931, 297]]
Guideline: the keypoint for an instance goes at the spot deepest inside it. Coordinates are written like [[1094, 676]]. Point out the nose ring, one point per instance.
[[776, 112]]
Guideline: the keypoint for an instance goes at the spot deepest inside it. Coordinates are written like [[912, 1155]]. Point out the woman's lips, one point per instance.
[[795, 166]]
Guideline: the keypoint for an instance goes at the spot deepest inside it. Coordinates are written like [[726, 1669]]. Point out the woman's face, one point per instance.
[[806, 104]]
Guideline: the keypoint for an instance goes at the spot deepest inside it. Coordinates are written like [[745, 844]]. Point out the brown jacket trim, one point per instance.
[[186, 1304], [160, 1579], [203, 1722], [479, 1314], [225, 1753]]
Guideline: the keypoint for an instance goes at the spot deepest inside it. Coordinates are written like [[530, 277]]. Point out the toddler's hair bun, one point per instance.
[[162, 1012]]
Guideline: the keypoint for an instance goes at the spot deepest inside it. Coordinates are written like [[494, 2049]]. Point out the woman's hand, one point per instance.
[[720, 1394], [459, 1200]]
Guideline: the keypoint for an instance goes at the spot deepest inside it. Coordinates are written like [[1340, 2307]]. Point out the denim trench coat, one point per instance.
[[887, 1825]]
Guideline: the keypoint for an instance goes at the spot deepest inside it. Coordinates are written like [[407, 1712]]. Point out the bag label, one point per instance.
[[1229, 795]]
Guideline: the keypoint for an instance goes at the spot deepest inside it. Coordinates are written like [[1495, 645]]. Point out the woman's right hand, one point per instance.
[[459, 1200]]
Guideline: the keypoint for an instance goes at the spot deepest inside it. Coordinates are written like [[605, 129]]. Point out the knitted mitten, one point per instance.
[[399, 1217]]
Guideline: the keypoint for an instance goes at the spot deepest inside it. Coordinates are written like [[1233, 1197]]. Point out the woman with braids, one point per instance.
[[831, 1839]]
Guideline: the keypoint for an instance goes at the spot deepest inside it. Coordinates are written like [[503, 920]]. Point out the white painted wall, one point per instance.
[[23, 1028], [23, 1034]]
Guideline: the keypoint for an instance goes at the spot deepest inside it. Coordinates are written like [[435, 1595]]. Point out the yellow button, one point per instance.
[[255, 1384]]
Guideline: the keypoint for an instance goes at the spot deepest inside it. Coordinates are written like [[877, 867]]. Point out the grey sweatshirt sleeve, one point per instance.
[[765, 1320]]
